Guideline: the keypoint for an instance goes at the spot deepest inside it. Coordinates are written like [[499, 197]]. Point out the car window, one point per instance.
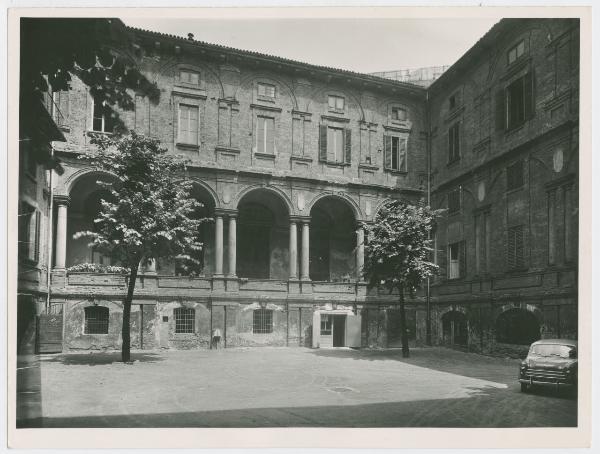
[[562, 351]]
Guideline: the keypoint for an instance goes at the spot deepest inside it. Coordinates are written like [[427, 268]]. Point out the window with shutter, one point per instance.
[[457, 260], [520, 101], [348, 146], [102, 116], [395, 153], [454, 143], [515, 248], [188, 124], [336, 150], [387, 140], [265, 127], [189, 77], [323, 143], [454, 200]]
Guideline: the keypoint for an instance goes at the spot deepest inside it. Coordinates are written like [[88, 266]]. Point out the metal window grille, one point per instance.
[[262, 322], [185, 319], [96, 320]]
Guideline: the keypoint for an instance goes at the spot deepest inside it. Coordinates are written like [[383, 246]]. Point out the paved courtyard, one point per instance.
[[284, 387]]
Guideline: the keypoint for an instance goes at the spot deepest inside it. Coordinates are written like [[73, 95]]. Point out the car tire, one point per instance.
[[524, 387]]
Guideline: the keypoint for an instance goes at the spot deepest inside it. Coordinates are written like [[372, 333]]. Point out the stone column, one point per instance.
[[232, 244], [219, 245], [293, 250], [360, 253], [304, 271], [61, 231]]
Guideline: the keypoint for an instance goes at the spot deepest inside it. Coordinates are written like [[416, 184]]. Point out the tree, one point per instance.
[[54, 49], [397, 252], [150, 214]]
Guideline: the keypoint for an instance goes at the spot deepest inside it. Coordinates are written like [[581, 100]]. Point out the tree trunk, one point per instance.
[[126, 330], [405, 351]]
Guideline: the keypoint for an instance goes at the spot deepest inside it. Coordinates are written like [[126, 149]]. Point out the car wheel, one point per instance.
[[524, 387]]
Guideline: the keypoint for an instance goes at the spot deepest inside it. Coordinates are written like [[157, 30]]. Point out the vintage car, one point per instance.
[[550, 362]]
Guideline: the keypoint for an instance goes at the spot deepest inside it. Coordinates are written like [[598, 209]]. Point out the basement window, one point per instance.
[[96, 320], [185, 319], [262, 321]]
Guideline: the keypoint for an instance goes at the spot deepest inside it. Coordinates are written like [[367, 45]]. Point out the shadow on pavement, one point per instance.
[[100, 359], [486, 409]]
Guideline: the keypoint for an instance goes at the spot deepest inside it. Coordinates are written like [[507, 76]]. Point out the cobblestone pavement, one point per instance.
[[292, 387]]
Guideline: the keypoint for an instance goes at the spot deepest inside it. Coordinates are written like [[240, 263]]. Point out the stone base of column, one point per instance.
[[218, 283], [294, 285], [232, 284], [306, 286]]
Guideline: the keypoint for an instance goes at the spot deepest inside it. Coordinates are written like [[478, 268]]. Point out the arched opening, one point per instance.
[[332, 241], [517, 326], [206, 235], [85, 204], [262, 236], [454, 328]]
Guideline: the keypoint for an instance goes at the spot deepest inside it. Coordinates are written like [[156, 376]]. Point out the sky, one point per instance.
[[361, 45]]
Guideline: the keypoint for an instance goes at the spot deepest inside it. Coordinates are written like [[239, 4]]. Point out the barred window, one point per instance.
[[515, 253], [262, 322], [185, 319], [514, 176], [96, 320]]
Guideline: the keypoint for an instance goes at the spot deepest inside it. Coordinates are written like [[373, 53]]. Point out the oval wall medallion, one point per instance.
[[558, 160], [481, 191], [368, 207], [226, 196]]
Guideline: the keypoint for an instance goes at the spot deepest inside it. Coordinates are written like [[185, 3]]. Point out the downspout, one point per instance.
[[49, 233], [428, 145]]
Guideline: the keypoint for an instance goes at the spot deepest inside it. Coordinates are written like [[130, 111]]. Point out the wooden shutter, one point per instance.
[[528, 95], [403, 155], [270, 127], [462, 259], [260, 134], [387, 145], [515, 248], [347, 146], [500, 110], [323, 143], [36, 236]]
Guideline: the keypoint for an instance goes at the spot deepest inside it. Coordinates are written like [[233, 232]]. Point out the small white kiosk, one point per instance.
[[336, 326]]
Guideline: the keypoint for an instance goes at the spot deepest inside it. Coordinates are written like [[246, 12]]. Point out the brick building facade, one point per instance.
[[289, 159]]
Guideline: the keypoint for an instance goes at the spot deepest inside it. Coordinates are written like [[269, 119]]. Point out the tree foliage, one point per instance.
[[55, 49], [398, 250], [150, 211]]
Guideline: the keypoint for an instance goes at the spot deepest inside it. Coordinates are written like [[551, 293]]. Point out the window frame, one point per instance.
[[260, 325], [394, 114], [264, 133], [190, 72], [102, 118], [184, 142], [515, 237], [335, 107], [457, 265], [103, 323], [265, 95], [458, 191], [390, 153], [326, 328], [454, 143], [185, 320], [515, 48]]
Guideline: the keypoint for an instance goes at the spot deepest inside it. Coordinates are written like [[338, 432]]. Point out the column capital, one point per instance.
[[300, 219], [62, 200], [224, 212]]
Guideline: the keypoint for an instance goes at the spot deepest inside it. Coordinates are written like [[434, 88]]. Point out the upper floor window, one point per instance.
[[185, 319], [516, 52], [188, 124], [454, 143], [395, 153], [519, 99], [102, 116], [189, 77], [398, 114], [262, 321], [266, 90], [515, 256], [514, 176], [29, 232], [454, 200], [336, 102], [334, 144], [265, 131], [456, 260], [96, 320], [452, 102]]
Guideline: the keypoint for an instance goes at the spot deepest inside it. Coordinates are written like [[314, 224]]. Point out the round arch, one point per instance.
[[348, 201], [517, 326], [320, 92], [271, 189], [262, 76], [82, 175], [171, 65], [208, 190]]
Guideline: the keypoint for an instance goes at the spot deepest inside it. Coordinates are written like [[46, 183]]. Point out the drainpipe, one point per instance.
[[49, 233], [428, 144]]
